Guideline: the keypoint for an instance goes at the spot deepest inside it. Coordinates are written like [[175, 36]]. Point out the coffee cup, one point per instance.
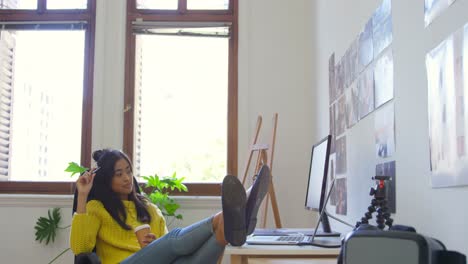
[[140, 232]]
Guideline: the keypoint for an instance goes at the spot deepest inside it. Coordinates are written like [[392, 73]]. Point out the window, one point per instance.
[[18, 4], [181, 90], [69, 4], [207, 4], [45, 92], [157, 4]]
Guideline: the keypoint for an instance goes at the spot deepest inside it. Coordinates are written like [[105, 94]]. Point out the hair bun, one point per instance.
[[97, 155]]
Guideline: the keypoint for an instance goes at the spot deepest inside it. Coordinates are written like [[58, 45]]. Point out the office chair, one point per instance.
[[91, 258]]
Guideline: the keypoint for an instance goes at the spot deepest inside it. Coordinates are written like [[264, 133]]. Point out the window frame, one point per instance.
[[42, 14], [183, 15]]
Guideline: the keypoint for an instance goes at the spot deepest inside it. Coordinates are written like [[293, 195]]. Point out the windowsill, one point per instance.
[[67, 188], [64, 201]]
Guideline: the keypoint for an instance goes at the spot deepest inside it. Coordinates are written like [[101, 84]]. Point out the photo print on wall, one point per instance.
[[332, 128], [388, 169], [366, 93], [382, 27], [366, 48], [383, 36], [352, 105], [446, 65], [331, 79], [383, 11], [433, 8], [340, 155], [340, 116], [339, 79], [385, 131], [351, 62], [383, 79], [341, 196]]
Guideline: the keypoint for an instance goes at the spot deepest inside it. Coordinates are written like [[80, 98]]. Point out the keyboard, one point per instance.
[[291, 231], [293, 238], [278, 240]]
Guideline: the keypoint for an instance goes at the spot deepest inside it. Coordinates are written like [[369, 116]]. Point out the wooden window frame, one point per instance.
[[41, 14], [183, 15]]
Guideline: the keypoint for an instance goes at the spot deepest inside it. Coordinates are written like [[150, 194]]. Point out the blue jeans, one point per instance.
[[193, 244]]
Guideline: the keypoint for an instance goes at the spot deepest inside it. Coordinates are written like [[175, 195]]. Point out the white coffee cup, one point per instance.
[[140, 232]]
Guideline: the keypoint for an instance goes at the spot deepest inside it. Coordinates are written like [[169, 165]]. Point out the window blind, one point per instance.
[[7, 50]]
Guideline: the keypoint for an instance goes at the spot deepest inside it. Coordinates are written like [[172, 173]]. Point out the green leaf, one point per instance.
[[179, 185], [46, 228], [171, 208], [158, 198], [74, 168], [159, 194]]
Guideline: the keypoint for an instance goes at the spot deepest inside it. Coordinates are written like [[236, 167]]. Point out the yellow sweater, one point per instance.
[[97, 228]]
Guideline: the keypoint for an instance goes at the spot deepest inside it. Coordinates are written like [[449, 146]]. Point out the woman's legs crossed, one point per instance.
[[178, 242]]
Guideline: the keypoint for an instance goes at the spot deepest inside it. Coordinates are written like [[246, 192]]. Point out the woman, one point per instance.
[[109, 208]]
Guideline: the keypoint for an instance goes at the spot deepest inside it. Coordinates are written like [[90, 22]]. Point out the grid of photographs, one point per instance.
[[362, 79], [360, 82], [446, 66]]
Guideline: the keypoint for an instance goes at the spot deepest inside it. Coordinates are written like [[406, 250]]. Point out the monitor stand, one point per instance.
[[323, 218]]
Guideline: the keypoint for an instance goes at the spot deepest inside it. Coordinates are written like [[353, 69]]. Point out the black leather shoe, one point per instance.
[[234, 201], [257, 193]]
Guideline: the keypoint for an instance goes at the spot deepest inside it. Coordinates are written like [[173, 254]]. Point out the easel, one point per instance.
[[263, 151]]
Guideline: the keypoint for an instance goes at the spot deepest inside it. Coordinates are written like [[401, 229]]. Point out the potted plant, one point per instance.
[[156, 190]]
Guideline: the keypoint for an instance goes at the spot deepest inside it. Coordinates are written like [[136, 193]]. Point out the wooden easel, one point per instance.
[[264, 151]]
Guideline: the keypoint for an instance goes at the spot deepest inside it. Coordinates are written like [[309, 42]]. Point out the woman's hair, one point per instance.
[[102, 190]]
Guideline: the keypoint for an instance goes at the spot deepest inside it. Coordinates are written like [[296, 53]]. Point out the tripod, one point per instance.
[[379, 204]]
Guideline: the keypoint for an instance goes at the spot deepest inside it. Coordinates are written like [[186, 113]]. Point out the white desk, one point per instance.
[[267, 254]]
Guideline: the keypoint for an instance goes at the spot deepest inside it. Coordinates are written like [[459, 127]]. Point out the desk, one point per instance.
[[274, 254]]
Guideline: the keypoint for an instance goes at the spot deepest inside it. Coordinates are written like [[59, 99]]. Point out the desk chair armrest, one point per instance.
[[87, 258]]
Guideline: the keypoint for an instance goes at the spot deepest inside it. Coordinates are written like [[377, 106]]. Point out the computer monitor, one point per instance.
[[317, 185]]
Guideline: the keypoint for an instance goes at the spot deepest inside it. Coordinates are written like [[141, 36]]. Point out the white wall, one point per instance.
[[439, 213], [275, 75]]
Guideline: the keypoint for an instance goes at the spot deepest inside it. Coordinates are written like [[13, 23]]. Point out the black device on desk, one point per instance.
[[316, 199], [399, 244]]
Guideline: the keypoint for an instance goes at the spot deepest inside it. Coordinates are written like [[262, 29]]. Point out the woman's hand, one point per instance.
[[150, 237], [85, 182]]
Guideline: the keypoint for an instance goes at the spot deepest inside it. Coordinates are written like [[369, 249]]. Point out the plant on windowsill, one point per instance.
[[158, 193]]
